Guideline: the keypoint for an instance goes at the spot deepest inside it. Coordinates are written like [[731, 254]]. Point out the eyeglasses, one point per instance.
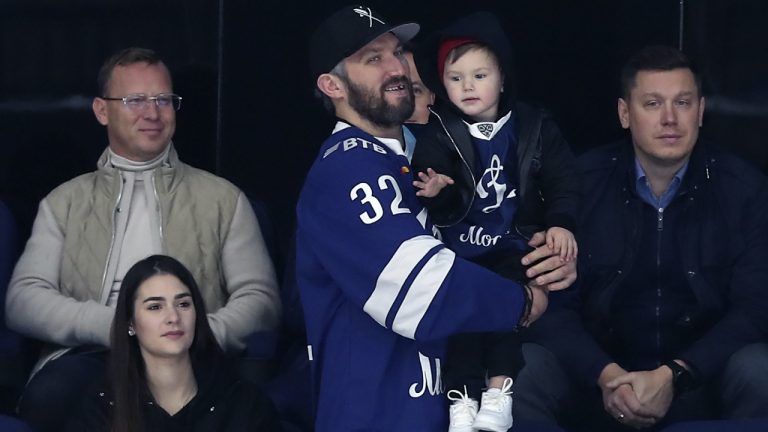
[[140, 102]]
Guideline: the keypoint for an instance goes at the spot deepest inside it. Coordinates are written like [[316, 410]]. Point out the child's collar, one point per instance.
[[487, 130]]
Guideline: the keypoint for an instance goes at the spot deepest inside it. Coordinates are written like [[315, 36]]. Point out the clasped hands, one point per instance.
[[637, 399]]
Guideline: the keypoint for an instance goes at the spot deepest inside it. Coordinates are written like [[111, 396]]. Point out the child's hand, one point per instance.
[[563, 243], [431, 183]]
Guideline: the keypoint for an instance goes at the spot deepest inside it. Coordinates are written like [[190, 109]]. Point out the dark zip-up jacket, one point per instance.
[[723, 245]]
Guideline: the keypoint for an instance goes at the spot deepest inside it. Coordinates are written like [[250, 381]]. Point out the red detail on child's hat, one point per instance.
[[446, 47]]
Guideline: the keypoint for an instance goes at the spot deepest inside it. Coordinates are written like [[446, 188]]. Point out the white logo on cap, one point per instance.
[[366, 12]]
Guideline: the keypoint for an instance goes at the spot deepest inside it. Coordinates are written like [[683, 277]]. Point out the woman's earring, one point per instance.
[[131, 331]]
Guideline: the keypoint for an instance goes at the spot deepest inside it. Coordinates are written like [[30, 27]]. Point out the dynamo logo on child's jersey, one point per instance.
[[492, 173]]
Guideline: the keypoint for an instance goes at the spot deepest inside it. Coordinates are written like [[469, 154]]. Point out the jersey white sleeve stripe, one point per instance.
[[394, 275], [422, 218], [422, 291]]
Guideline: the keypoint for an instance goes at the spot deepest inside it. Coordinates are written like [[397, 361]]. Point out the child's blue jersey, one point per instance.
[[380, 293], [489, 225]]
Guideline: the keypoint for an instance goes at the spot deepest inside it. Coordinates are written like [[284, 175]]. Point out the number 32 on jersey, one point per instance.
[[363, 192]]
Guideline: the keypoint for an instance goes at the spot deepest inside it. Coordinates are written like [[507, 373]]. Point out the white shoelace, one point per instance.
[[463, 410], [495, 401], [462, 397]]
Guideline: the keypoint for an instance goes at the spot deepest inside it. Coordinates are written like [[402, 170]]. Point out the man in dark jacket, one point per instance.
[[668, 321]]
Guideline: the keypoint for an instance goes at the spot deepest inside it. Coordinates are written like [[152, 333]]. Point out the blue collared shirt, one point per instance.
[[644, 188], [410, 142]]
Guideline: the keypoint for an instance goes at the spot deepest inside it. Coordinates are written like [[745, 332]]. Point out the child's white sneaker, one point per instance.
[[462, 412], [495, 409]]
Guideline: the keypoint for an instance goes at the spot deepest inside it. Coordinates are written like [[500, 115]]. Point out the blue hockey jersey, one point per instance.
[[380, 293], [488, 227]]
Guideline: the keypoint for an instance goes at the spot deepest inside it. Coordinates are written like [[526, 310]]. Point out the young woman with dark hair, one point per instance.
[[167, 372]]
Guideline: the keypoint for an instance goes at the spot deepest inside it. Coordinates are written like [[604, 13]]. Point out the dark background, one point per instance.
[[248, 114]]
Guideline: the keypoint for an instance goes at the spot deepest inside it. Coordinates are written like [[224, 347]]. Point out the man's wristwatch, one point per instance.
[[682, 378]]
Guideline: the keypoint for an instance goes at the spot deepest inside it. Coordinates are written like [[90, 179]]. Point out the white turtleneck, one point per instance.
[[137, 221]]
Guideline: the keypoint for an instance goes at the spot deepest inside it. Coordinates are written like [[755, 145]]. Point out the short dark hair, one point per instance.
[[127, 373], [125, 57], [655, 58]]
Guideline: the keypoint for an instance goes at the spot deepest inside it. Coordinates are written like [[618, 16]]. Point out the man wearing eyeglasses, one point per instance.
[[142, 200]]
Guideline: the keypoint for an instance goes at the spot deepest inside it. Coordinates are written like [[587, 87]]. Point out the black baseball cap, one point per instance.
[[348, 30]]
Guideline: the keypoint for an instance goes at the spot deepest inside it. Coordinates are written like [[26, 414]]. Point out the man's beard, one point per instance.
[[375, 108]]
